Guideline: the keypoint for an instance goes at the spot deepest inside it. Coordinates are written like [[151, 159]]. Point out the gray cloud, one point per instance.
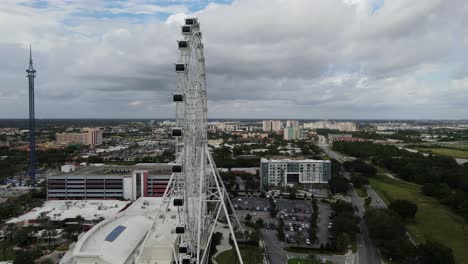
[[264, 58]]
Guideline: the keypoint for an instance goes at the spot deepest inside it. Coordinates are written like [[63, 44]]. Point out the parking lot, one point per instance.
[[256, 207], [296, 215]]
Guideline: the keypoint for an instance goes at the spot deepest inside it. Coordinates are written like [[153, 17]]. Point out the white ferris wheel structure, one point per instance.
[[195, 188]]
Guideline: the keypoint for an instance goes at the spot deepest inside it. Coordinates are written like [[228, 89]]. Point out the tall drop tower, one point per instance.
[[31, 74]]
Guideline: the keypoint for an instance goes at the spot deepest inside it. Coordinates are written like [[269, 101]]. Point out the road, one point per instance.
[[274, 248], [335, 155], [367, 252], [376, 202]]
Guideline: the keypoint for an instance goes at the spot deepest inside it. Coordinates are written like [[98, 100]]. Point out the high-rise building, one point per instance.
[[282, 172], [272, 125], [93, 136], [276, 126], [267, 125], [292, 123], [292, 131]]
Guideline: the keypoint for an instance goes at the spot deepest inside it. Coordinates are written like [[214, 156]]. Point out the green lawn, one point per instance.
[[455, 153], [433, 220], [250, 255]]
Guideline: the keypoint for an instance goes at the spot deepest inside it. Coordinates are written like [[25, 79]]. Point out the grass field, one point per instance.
[[433, 220], [455, 153], [250, 255]]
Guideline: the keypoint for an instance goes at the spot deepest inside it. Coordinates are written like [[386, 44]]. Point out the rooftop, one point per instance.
[[59, 210], [119, 170], [291, 159], [116, 239]]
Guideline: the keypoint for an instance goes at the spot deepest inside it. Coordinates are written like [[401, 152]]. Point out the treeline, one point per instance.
[[387, 230], [224, 158], [441, 177], [405, 135], [346, 225], [338, 183]]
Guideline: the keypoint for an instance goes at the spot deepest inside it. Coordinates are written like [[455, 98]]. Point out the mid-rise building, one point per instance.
[[343, 137], [110, 182], [340, 126], [70, 138], [282, 172]]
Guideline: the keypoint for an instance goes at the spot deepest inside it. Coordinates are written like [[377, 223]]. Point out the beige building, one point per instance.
[[88, 136], [70, 138], [93, 136]]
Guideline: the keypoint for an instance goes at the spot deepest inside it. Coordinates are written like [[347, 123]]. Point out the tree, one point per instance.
[[435, 253], [299, 236], [342, 241], [406, 209], [259, 222], [292, 193], [248, 217], [358, 180], [280, 230], [4, 244], [339, 184], [23, 257]]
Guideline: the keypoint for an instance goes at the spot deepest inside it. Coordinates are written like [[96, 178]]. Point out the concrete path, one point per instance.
[[224, 245]]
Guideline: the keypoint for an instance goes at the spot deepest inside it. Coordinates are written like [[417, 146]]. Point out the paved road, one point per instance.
[[274, 248], [335, 155], [377, 202], [367, 252]]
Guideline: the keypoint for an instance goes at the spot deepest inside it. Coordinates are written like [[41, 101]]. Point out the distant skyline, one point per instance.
[[266, 59]]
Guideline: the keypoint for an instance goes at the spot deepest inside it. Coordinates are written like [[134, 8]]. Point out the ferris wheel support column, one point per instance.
[[223, 204], [224, 188], [200, 208]]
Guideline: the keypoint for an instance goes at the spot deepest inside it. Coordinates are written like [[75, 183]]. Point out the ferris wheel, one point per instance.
[[198, 187], [195, 187]]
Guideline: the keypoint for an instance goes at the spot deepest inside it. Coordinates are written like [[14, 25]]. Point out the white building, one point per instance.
[[282, 172], [67, 168], [341, 126], [266, 125]]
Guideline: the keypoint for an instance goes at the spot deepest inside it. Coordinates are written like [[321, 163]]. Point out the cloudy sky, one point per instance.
[[265, 58]]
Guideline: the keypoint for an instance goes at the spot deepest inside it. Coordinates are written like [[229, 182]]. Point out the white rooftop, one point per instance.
[[59, 210], [134, 223]]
